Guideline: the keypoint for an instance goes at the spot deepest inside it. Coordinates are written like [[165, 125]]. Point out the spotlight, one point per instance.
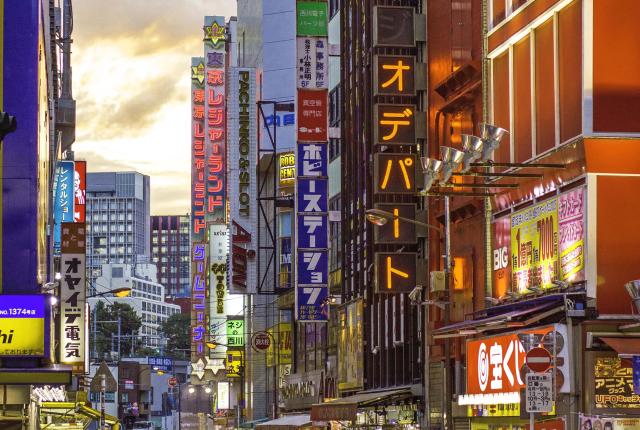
[[192, 390], [49, 286], [414, 295], [376, 217], [375, 350], [492, 136], [535, 289], [431, 169], [633, 289], [57, 276], [207, 390], [472, 148], [53, 300], [451, 159]]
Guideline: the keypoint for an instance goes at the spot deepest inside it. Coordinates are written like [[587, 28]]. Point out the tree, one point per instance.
[[176, 331], [106, 338]]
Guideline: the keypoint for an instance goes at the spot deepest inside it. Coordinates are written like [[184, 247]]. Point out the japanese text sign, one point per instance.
[[164, 364], [73, 296], [312, 195], [313, 231], [571, 234], [395, 75], [313, 159], [312, 115], [63, 200], [393, 26], [219, 269], [311, 18], [501, 255], [313, 267], [539, 392], [534, 245], [234, 364], [395, 124], [613, 379], [23, 319], [80, 191], [199, 301], [395, 173], [235, 333], [396, 230], [198, 162], [313, 62], [395, 272]]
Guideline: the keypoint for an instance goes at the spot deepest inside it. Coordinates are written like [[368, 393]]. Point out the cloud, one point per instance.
[[131, 77]]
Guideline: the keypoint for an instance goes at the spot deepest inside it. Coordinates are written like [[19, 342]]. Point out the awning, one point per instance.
[[346, 408], [80, 409], [624, 346], [286, 422], [512, 319], [55, 374]]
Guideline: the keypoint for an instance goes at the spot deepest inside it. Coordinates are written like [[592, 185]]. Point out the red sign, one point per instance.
[[538, 360], [557, 424], [312, 115], [261, 341], [80, 191], [172, 382], [494, 364]]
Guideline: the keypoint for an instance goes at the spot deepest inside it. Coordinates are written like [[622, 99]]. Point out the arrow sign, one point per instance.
[[538, 360]]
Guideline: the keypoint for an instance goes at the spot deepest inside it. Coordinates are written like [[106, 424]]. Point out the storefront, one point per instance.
[[71, 416]]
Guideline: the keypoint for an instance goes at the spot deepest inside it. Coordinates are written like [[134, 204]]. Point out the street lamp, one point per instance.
[[380, 218], [117, 292]]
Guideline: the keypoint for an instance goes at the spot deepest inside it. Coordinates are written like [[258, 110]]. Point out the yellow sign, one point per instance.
[[234, 364], [282, 341], [287, 169], [534, 246], [505, 410], [21, 336]]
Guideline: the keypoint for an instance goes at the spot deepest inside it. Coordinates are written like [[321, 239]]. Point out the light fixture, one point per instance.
[[57, 276], [633, 289], [535, 289], [53, 300], [560, 284], [49, 286], [207, 390], [375, 350], [451, 159], [375, 218], [492, 136], [121, 292], [192, 390], [472, 147], [414, 295], [431, 169]]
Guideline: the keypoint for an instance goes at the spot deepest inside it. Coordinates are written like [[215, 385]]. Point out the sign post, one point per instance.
[[539, 394]]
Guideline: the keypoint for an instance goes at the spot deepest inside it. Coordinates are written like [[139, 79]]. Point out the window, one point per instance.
[[334, 149], [334, 7], [117, 272], [334, 107]]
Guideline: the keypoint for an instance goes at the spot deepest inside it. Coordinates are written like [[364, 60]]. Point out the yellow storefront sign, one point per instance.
[[21, 336]]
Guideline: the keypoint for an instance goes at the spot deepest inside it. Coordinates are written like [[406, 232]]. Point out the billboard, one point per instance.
[[312, 115], [63, 200], [80, 191], [198, 192], [199, 300], [350, 346], [313, 62], [571, 234], [73, 297], [218, 274], [242, 153], [216, 118], [23, 319]]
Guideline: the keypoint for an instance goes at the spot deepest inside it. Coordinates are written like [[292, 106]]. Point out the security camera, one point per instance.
[[375, 350], [414, 295]]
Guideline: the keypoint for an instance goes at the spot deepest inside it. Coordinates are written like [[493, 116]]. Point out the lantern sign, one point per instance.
[[395, 75], [395, 272], [395, 173]]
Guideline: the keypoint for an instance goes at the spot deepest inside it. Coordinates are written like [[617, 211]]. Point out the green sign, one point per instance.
[[312, 18], [235, 333]]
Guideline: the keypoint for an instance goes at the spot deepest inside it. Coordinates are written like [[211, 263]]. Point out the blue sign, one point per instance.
[[313, 231], [312, 159], [161, 363], [63, 200], [313, 267], [281, 120], [636, 374], [312, 195], [312, 303]]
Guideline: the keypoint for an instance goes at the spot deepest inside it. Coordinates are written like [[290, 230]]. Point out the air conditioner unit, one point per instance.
[[437, 281]]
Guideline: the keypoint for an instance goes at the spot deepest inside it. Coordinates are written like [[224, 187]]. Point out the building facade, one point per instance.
[[118, 214], [170, 253]]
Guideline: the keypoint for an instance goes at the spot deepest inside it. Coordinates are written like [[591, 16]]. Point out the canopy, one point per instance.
[[624, 346], [286, 422], [346, 408]]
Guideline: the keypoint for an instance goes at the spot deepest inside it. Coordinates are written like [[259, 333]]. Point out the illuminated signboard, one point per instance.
[[350, 346], [501, 255], [63, 199], [396, 230], [235, 333], [312, 115], [571, 234], [395, 272], [613, 384], [80, 191], [534, 245], [395, 75], [215, 119], [223, 395], [23, 319], [218, 271], [311, 18], [494, 364], [393, 26], [287, 163], [395, 173], [395, 124], [234, 363], [199, 300], [280, 351], [198, 172], [313, 62], [73, 293]]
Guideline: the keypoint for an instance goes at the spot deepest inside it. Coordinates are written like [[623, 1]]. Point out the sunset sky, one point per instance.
[[130, 64]]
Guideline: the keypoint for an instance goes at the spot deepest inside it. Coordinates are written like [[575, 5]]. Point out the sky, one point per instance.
[[130, 66]]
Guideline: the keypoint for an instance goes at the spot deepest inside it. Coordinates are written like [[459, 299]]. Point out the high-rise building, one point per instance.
[[118, 213], [170, 253]]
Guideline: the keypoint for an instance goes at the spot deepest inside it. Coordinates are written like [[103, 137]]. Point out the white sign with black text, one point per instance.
[[539, 392]]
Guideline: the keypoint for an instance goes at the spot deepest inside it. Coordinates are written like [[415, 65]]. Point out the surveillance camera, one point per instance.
[[414, 295], [375, 350]]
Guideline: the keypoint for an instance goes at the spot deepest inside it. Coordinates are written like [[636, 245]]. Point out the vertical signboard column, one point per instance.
[[199, 263], [312, 221], [63, 200], [242, 134], [73, 297]]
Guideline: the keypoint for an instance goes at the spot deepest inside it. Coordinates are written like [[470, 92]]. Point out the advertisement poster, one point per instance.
[[501, 249], [350, 347], [80, 191], [534, 246], [613, 384], [571, 241], [593, 423]]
